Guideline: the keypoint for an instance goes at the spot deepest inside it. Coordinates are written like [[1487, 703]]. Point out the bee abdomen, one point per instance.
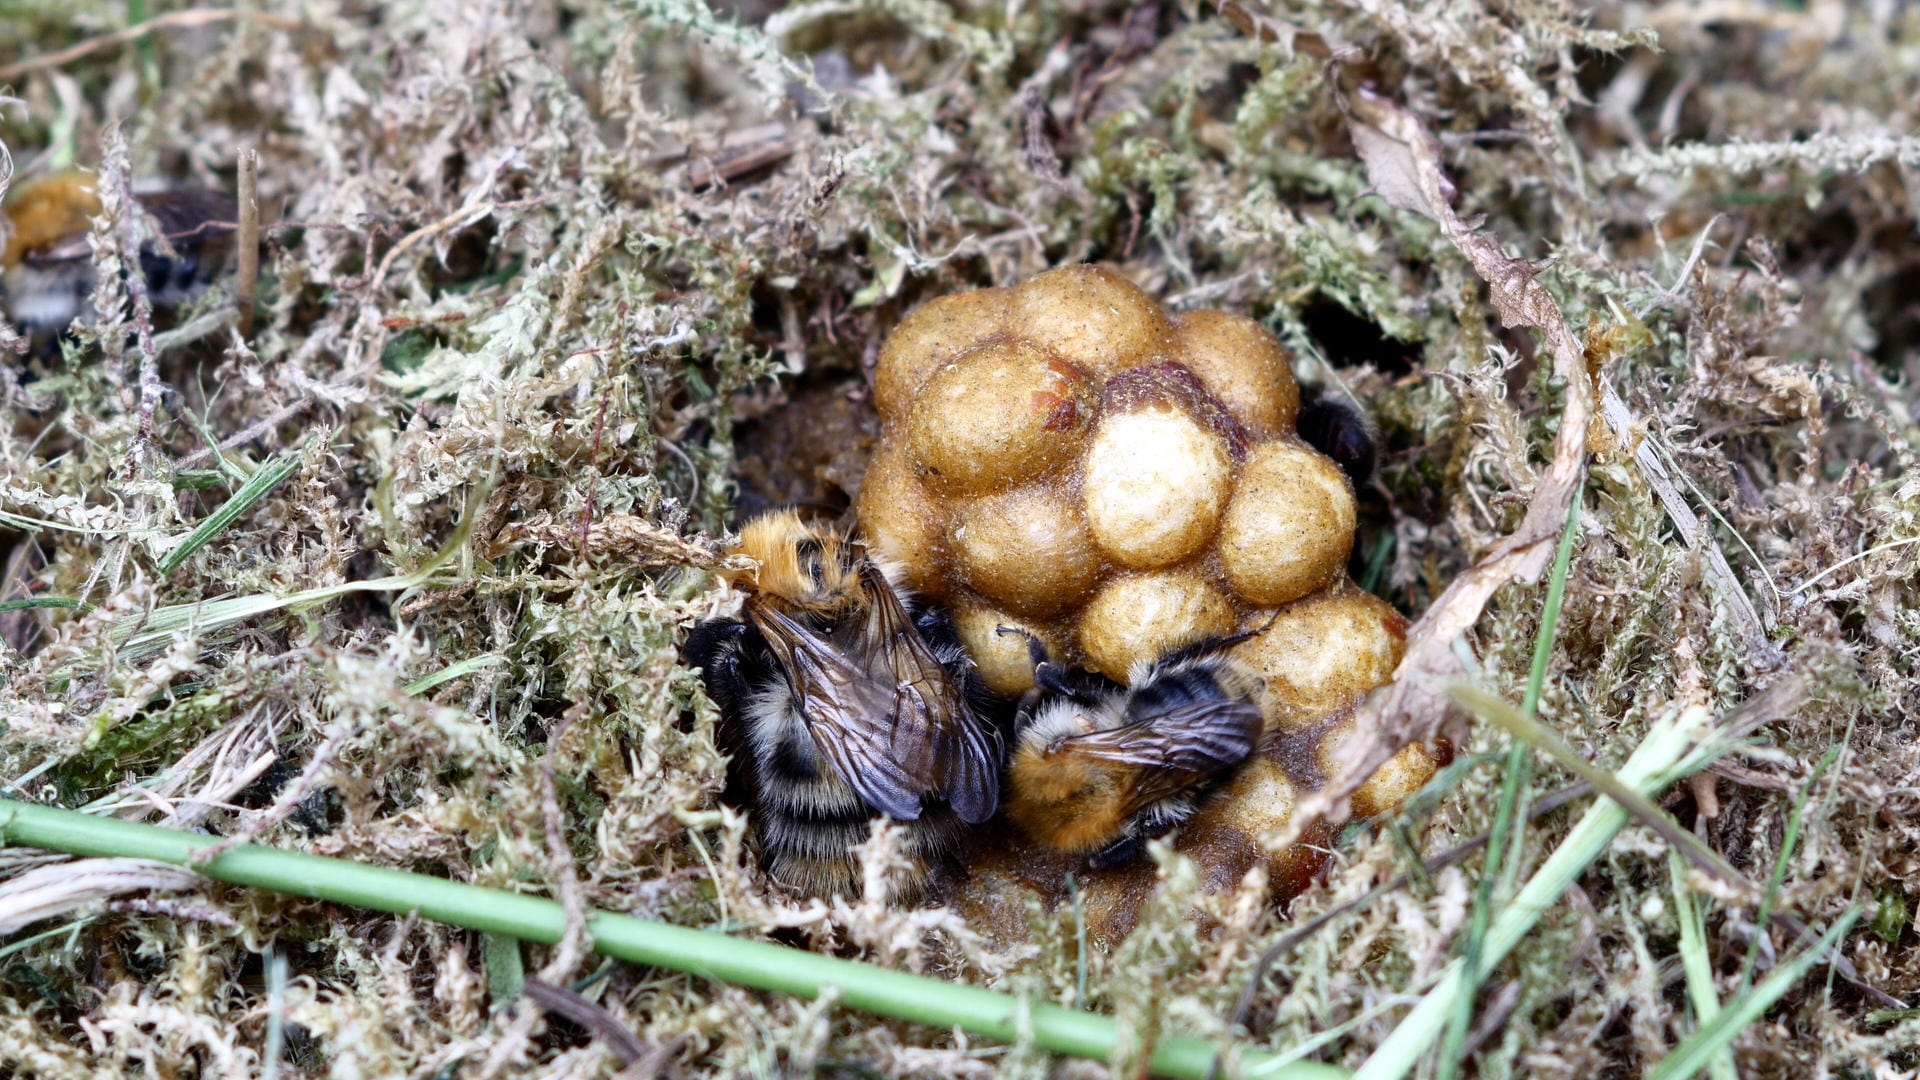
[[814, 854], [1176, 690]]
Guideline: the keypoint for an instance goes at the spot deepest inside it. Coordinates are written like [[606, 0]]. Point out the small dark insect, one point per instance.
[[1099, 768], [47, 268], [1339, 431], [839, 707]]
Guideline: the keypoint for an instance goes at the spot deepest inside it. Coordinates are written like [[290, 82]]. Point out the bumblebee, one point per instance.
[[838, 707], [1339, 431], [47, 268], [1099, 768]]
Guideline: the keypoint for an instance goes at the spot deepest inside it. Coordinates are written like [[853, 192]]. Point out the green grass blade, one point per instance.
[[1649, 768], [141, 636], [42, 602], [1489, 707], [1698, 1049], [704, 953], [1787, 845], [266, 479], [1695, 962], [453, 671], [1507, 843]]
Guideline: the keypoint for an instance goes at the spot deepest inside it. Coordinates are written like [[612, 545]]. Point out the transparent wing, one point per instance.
[[963, 757], [1173, 750], [853, 718]]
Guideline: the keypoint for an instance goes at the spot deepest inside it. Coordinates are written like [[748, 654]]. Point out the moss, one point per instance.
[[507, 293]]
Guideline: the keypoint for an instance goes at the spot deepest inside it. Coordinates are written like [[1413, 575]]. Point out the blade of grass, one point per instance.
[[1695, 962], [145, 49], [42, 602], [1513, 799], [453, 671], [1489, 707], [276, 1015], [1300, 933], [266, 479], [246, 273], [1080, 943], [143, 636], [1713, 1036], [211, 442], [34, 525], [758, 964], [1787, 844], [1651, 767], [199, 479]]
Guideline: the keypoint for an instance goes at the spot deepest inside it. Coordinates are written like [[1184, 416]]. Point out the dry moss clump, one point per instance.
[[538, 277]]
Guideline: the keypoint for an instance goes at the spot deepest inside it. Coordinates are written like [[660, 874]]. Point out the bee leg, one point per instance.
[[936, 627], [1118, 853], [1036, 649], [1047, 675]]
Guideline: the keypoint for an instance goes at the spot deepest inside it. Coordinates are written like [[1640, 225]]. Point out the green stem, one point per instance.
[[1513, 801], [757, 964], [1648, 769]]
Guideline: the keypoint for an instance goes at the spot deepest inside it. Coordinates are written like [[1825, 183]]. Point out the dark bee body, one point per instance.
[[1099, 768], [1339, 431], [839, 707], [47, 266]]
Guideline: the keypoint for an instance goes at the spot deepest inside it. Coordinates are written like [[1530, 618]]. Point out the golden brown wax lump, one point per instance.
[[1290, 527], [1324, 652], [1092, 316], [1003, 659], [1243, 366], [1026, 548], [1145, 616], [1038, 412], [935, 333], [1045, 446], [1154, 484], [1064, 459], [900, 522]]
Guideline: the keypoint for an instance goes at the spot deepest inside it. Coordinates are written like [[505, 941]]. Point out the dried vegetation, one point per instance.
[[546, 277]]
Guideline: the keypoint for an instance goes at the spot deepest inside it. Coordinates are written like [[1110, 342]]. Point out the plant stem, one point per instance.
[[699, 952], [1647, 770]]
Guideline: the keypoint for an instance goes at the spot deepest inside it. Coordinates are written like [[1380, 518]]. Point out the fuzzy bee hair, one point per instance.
[[840, 703], [47, 267], [1341, 432], [1099, 768]]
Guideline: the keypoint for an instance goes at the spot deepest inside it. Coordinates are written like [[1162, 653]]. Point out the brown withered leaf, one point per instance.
[[622, 536], [1403, 165], [1264, 27]]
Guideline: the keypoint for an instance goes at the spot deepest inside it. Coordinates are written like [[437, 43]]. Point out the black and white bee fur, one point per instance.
[[840, 704]]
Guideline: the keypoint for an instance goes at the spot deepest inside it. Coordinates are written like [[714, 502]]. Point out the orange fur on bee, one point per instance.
[[47, 211], [1064, 800], [789, 553]]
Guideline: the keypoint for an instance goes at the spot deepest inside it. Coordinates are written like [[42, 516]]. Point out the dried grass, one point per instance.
[[535, 269]]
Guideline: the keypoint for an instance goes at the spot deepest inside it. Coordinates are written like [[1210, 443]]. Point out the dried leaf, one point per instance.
[[1403, 164]]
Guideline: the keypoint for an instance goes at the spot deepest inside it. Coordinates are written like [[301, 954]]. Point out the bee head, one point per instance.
[[802, 566], [47, 210]]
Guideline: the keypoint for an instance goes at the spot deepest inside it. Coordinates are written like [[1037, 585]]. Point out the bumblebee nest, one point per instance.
[[1064, 459]]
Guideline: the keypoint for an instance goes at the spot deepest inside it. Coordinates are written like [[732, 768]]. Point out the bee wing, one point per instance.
[[1174, 749], [851, 715], [963, 758]]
